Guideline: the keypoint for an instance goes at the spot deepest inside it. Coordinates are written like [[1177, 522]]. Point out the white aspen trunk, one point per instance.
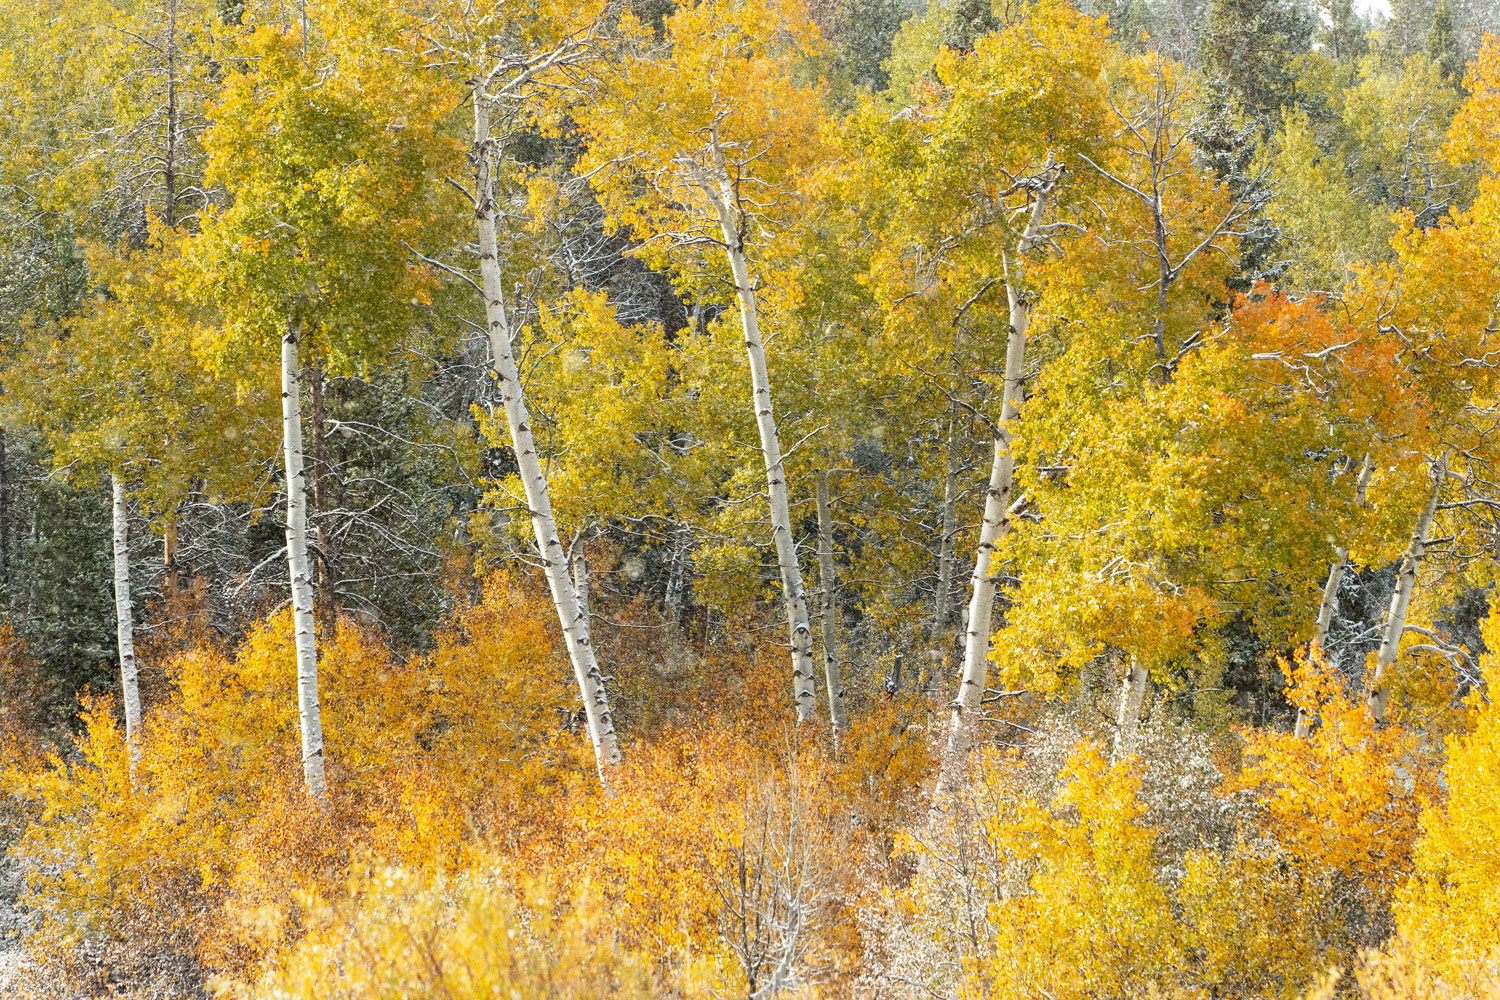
[[997, 502], [1132, 696], [130, 689], [1395, 620], [829, 583], [581, 586], [571, 616], [299, 568], [1330, 601], [1320, 629], [720, 192]]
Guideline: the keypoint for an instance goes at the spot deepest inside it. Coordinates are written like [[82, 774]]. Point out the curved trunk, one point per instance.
[[310, 713], [1395, 619], [130, 690], [574, 622], [997, 511]]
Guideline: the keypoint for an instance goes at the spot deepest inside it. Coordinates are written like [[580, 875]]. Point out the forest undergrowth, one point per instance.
[[469, 851]]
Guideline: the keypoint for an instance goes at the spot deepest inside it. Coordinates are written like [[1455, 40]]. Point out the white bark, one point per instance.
[[1395, 619], [829, 584], [570, 615], [581, 586], [130, 689], [996, 523], [1330, 602], [721, 194], [299, 568], [1133, 688]]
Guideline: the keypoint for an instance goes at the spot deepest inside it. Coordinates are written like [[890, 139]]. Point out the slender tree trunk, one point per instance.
[[130, 689], [997, 503], [720, 191], [533, 480], [4, 516], [309, 712], [1133, 689], [681, 540], [941, 640], [327, 575], [171, 579], [829, 585], [942, 604], [1330, 602], [1395, 619]]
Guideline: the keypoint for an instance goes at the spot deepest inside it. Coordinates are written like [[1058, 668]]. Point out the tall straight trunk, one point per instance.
[[1330, 601], [720, 191], [1395, 619], [829, 585], [309, 713], [130, 689], [574, 623], [997, 503], [1133, 688]]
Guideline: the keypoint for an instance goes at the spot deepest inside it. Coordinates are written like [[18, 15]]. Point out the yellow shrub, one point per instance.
[[1451, 909], [464, 938], [1346, 799]]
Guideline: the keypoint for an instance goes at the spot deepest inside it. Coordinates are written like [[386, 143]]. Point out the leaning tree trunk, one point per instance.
[[533, 479], [829, 584], [720, 191], [997, 503], [1330, 600], [130, 689], [1395, 619], [310, 714]]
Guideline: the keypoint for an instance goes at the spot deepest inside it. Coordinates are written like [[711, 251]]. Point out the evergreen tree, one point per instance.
[[1343, 34], [1442, 44], [1249, 43]]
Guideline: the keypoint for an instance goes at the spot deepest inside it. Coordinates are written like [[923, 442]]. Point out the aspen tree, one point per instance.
[[130, 690], [963, 186], [998, 503], [510, 65], [701, 141], [306, 260], [115, 95], [570, 610]]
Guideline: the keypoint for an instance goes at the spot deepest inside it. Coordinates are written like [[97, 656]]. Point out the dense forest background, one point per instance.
[[745, 498]]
